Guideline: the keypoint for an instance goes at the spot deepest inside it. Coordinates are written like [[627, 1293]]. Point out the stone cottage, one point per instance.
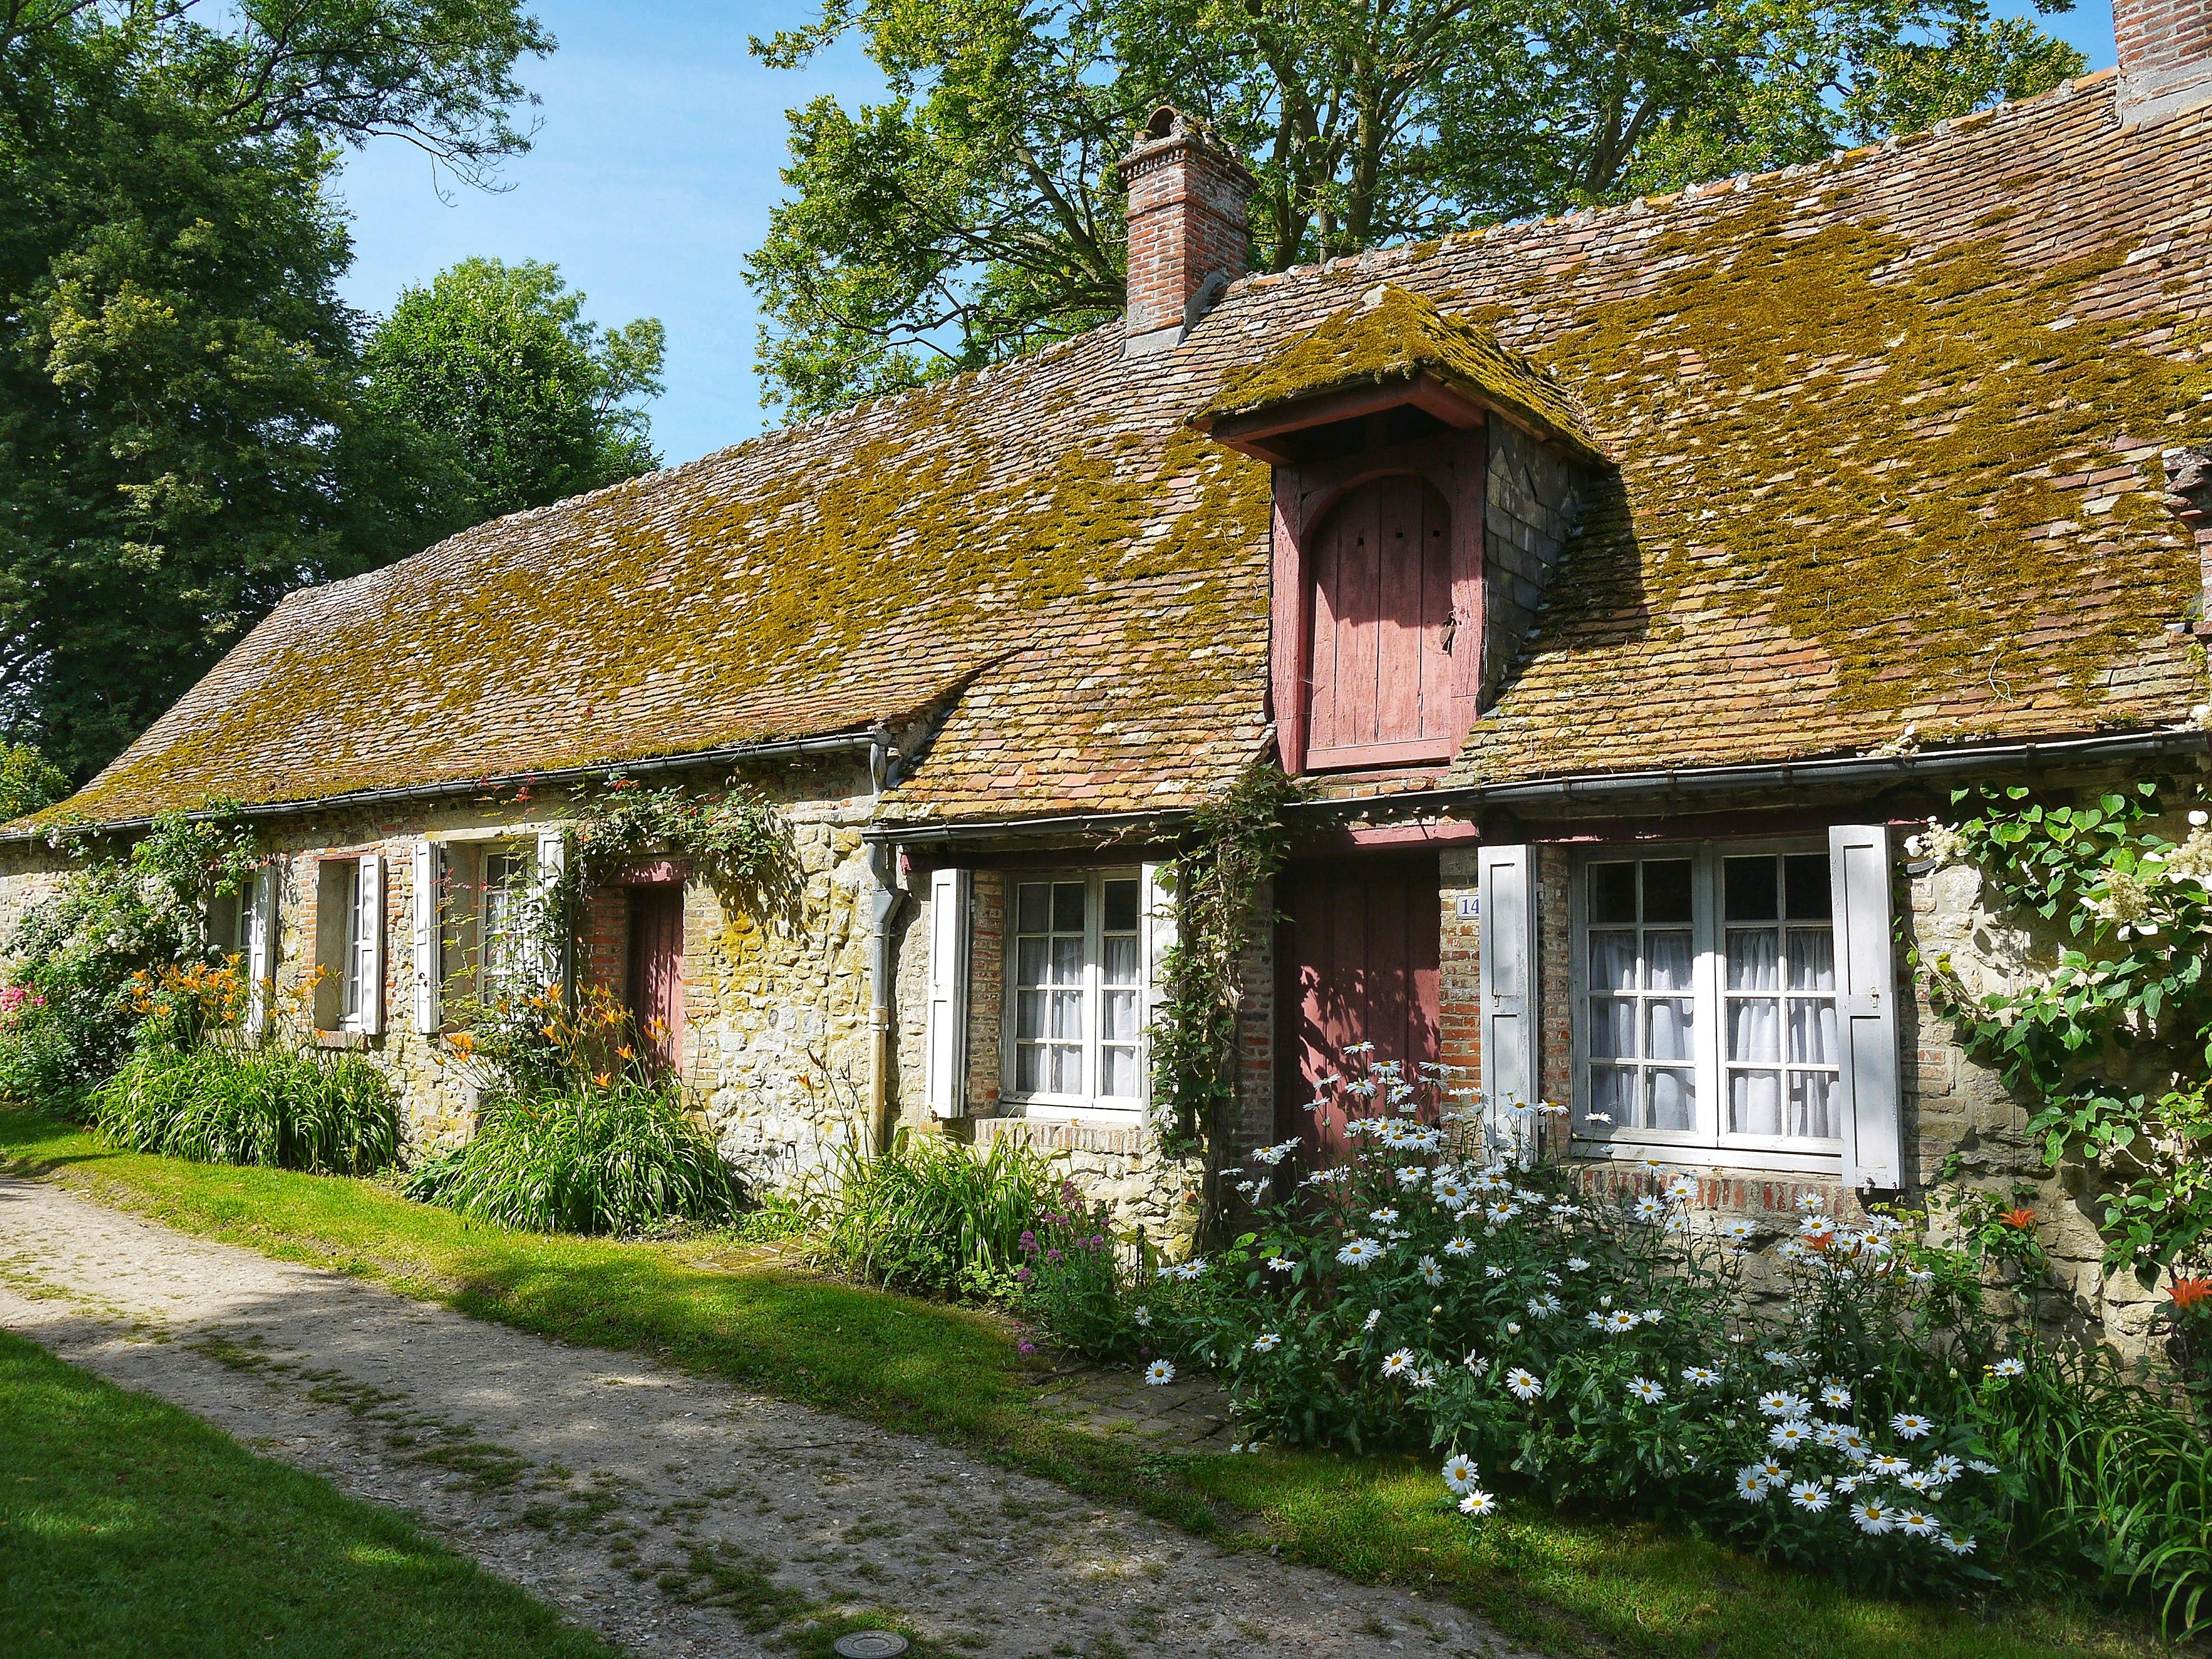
[[1623, 584]]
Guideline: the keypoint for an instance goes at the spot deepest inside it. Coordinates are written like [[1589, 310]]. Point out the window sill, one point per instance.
[[1061, 1111], [344, 1040], [1702, 1156]]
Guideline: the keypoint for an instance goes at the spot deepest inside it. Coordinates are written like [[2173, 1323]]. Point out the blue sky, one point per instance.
[[652, 178]]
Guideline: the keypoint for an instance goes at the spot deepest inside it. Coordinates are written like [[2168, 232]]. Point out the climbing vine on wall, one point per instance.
[[2110, 1032], [1233, 849]]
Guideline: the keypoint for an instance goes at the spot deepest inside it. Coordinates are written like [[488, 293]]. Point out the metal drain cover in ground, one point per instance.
[[869, 1644]]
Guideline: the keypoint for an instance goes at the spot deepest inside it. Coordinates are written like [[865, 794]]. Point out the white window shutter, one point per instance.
[[370, 943], [429, 881], [1866, 1006], [545, 888], [945, 1042], [1508, 978], [261, 899]]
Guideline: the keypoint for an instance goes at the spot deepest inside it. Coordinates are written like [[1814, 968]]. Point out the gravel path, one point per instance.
[[676, 1515]]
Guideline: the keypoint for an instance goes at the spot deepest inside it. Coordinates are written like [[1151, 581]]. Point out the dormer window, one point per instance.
[[1379, 425]]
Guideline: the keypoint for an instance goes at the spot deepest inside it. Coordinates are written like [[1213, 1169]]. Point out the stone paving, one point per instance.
[[674, 1514]]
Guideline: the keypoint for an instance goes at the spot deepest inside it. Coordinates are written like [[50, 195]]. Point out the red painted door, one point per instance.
[[656, 970], [1357, 957], [1381, 661]]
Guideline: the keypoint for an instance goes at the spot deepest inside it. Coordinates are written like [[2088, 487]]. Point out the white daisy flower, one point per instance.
[[1750, 1484], [1873, 1516], [1643, 1389], [1459, 1247], [1424, 1378], [1916, 1523], [1431, 1274], [1575, 1264], [1783, 1358], [1793, 1435], [1944, 1469], [1809, 1495], [1478, 1505], [1910, 1425], [1981, 1466], [1493, 1271], [1374, 1318], [1459, 1472], [1544, 1306], [1141, 1317], [1649, 1207], [1811, 1203], [1681, 1189], [1956, 1546], [1383, 1218], [1410, 1175], [1159, 1371], [1701, 1376], [1500, 1212], [1652, 1315], [1523, 1384], [1775, 1474], [1358, 1252], [1281, 1264], [2008, 1368], [1888, 1465], [1268, 1342], [1919, 1482], [1400, 1361], [1738, 1231], [1836, 1396], [1853, 1444], [1780, 1402]]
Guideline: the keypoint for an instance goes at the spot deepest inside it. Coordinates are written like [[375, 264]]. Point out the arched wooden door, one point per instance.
[[1379, 662]]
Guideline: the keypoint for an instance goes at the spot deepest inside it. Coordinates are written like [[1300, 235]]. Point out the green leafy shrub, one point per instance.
[[1081, 1279], [929, 1216], [325, 1113], [620, 1158], [29, 780]]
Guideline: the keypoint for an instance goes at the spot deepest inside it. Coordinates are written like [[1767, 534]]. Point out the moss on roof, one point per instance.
[[1394, 335]]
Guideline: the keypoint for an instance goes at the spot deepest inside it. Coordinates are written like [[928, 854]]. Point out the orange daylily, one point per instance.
[[2188, 1292], [2023, 1219]]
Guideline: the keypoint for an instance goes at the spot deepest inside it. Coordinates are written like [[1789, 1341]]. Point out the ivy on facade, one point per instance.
[[2109, 1031]]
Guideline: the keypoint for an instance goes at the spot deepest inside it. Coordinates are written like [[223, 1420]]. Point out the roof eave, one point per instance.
[[1257, 431]]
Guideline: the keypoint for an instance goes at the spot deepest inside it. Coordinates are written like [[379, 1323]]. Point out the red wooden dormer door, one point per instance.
[[656, 970], [1380, 660]]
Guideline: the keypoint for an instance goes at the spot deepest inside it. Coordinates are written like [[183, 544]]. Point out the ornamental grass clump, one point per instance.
[[927, 1215], [1834, 1396], [324, 1113], [618, 1158]]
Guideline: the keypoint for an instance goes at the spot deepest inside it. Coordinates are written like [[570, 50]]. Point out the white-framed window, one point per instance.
[[503, 879], [1076, 973], [350, 944], [1705, 1000]]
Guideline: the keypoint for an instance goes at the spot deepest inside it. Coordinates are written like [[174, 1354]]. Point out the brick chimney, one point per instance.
[[2165, 57], [1186, 196]]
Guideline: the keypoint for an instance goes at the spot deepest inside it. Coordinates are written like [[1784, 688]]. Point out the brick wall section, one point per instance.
[[603, 943], [1555, 1063], [1529, 510], [1187, 221], [987, 992], [2164, 45], [1458, 965], [1255, 1037]]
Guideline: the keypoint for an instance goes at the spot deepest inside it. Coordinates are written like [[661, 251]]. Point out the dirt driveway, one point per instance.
[[676, 1515]]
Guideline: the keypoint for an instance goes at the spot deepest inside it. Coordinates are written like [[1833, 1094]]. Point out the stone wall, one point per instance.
[[1529, 509]]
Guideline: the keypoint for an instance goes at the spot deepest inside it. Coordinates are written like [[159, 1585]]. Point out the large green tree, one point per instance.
[[507, 396], [973, 213], [180, 418]]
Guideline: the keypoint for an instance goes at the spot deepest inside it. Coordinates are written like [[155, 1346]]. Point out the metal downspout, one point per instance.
[[883, 908]]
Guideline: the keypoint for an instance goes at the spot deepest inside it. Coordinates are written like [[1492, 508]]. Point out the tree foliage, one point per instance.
[[181, 433], [973, 214], [505, 396]]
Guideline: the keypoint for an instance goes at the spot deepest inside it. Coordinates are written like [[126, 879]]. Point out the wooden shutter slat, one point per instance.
[[1866, 1006]]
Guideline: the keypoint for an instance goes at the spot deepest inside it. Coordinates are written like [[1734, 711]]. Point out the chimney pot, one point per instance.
[[1187, 227], [2166, 58]]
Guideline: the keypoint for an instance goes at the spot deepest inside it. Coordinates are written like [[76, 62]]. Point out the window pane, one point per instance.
[[1812, 1106], [1748, 885], [1029, 1068], [1120, 907], [1667, 1029], [1612, 892], [1612, 962], [1067, 907], [1667, 959], [1812, 1032], [1666, 891], [1673, 1100], [1120, 1025], [1755, 1102], [1118, 1068], [1121, 959], [1805, 886], [1812, 959], [1611, 1092], [1067, 1070], [1067, 960], [1033, 909], [1753, 963], [1754, 1030], [1029, 1020], [1029, 961], [1613, 1028], [1066, 1013]]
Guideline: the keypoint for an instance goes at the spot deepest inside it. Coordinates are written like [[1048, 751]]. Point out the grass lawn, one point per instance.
[[1571, 1586], [129, 1527]]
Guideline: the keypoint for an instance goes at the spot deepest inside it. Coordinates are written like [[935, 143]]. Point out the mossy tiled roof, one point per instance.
[[1392, 334], [1887, 435]]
